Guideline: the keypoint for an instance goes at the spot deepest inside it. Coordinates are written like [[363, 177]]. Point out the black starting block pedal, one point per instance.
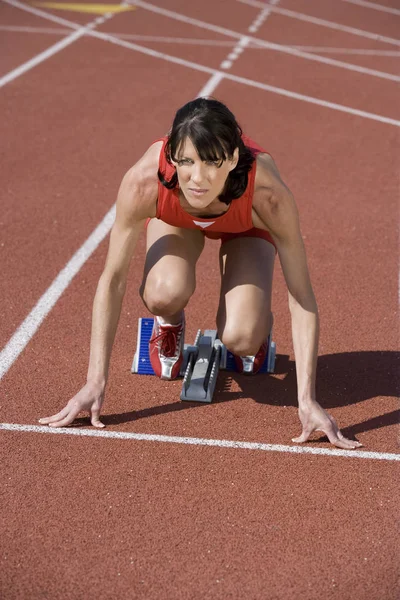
[[201, 361], [202, 368]]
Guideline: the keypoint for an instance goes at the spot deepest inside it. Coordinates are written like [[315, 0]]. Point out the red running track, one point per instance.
[[87, 517]]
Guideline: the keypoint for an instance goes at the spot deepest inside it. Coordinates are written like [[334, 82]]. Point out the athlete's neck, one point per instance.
[[215, 209]]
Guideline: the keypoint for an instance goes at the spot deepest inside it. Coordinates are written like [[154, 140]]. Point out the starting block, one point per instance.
[[201, 361]]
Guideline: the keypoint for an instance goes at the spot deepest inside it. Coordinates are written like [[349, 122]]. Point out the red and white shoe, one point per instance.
[[166, 348], [250, 365]]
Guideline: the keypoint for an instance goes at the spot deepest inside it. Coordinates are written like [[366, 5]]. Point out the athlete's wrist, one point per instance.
[[98, 382]]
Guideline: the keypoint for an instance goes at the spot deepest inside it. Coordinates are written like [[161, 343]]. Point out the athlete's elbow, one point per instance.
[[304, 301]]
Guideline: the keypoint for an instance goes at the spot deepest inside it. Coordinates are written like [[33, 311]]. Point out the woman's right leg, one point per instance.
[[169, 272], [168, 283]]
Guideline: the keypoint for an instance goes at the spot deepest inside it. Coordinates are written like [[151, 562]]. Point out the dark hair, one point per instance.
[[215, 133]]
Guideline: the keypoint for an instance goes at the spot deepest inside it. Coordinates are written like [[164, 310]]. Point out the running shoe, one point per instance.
[[166, 349], [250, 365]]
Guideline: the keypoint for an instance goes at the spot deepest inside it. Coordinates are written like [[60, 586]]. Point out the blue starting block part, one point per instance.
[[141, 361]]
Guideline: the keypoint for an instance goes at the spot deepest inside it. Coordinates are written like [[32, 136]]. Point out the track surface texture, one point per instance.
[[180, 500]]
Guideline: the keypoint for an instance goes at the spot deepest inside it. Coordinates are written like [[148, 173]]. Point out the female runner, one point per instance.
[[206, 179]]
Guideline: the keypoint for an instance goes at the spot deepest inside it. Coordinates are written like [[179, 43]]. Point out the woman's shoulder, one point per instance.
[[144, 172], [139, 187], [267, 174], [270, 191]]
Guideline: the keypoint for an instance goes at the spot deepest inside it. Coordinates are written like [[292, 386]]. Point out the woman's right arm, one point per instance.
[[136, 202]]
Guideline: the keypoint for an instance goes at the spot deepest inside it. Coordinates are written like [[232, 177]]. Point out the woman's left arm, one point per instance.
[[274, 209]]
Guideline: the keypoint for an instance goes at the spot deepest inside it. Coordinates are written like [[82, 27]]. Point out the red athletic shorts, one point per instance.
[[254, 232], [226, 237]]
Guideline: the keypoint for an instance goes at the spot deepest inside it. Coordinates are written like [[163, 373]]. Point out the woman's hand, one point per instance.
[[90, 398], [314, 418]]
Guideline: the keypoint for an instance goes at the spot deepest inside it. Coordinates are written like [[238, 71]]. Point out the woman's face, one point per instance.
[[201, 181]]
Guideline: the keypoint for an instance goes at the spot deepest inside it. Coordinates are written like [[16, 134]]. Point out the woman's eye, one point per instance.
[[184, 162]]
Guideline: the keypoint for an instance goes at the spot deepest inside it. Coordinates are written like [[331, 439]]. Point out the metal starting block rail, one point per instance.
[[201, 361]]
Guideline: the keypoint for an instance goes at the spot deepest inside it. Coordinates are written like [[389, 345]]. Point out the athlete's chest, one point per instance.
[[213, 210]]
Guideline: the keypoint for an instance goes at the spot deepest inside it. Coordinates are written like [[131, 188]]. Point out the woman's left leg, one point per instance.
[[244, 318]]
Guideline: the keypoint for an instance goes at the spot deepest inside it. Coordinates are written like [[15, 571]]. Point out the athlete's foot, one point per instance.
[[250, 365], [166, 348]]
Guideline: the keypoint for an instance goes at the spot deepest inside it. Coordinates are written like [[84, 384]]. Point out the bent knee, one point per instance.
[[241, 343], [245, 339], [165, 295]]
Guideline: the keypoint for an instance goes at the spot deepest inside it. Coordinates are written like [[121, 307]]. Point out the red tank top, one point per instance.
[[236, 219]]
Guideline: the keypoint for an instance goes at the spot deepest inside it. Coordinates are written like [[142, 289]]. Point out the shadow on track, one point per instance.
[[343, 379]]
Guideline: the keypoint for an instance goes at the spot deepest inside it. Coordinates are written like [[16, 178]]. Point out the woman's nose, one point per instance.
[[198, 172]]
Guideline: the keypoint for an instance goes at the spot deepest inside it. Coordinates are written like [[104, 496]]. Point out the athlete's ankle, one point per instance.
[[172, 320]]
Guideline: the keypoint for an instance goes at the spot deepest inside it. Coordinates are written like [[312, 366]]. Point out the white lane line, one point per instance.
[[211, 85], [356, 51], [26, 29], [174, 40], [263, 16], [248, 82], [323, 22], [204, 69], [127, 36], [277, 47], [375, 6], [255, 3], [31, 324], [204, 42], [79, 32], [172, 439], [215, 79], [245, 40], [33, 62], [236, 52]]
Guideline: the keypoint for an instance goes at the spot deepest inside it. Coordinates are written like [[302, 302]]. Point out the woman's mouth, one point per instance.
[[198, 191]]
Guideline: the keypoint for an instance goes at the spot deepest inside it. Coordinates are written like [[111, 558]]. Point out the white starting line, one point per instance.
[[172, 439], [29, 327]]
